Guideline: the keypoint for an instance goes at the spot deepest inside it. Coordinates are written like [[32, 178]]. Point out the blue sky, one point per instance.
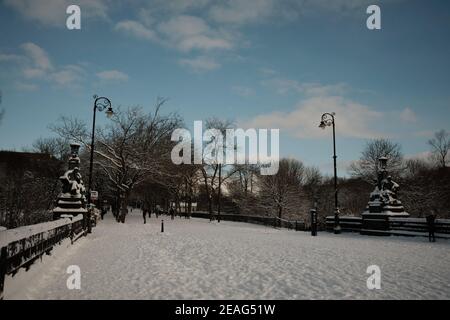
[[264, 64]]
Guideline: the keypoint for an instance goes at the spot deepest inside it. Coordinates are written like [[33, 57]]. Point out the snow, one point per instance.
[[198, 259]]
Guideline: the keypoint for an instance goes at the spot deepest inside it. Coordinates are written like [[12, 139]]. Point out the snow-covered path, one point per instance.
[[196, 259]]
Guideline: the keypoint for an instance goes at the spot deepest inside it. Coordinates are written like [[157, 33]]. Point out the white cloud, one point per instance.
[[146, 17], [283, 86], [161, 7], [200, 64], [136, 29], [340, 6], [187, 33], [33, 73], [41, 67], [407, 115], [22, 86], [184, 25], [53, 12], [112, 75], [36, 65], [242, 11], [38, 56], [242, 91], [183, 32], [353, 119], [267, 71], [67, 75], [10, 57]]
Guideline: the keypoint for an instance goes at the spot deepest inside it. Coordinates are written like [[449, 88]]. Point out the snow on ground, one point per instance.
[[197, 259]]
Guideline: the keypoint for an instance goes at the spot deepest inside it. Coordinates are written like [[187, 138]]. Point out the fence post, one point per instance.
[[72, 232], [3, 256], [313, 222]]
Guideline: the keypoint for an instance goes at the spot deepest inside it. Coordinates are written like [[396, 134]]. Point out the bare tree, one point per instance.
[[214, 171], [55, 146], [413, 167], [367, 166], [191, 179], [133, 148], [440, 145], [282, 192], [246, 175]]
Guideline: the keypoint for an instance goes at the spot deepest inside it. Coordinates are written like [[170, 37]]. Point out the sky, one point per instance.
[[262, 64]]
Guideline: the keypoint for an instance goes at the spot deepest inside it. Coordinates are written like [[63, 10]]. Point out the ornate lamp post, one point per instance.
[[326, 121], [100, 104]]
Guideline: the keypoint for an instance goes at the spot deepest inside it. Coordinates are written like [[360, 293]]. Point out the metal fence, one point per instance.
[[397, 226], [20, 247], [298, 225]]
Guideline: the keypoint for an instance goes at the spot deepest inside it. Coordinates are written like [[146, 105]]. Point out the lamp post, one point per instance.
[[326, 121], [382, 165], [100, 104]]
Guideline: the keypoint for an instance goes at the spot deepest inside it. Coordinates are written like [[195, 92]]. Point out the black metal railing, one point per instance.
[[20, 247], [397, 226], [298, 225]]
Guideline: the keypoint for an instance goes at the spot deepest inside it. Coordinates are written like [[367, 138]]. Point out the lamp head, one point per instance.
[[109, 112], [322, 125], [383, 162]]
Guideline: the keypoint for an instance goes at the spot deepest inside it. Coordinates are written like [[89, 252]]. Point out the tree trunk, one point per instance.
[[280, 211], [219, 192], [124, 209]]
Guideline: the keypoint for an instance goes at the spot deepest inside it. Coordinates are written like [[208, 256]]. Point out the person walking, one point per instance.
[[144, 214], [145, 210], [431, 219], [103, 212]]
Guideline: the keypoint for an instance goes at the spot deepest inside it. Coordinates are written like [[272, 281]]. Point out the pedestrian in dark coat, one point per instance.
[[103, 212], [431, 219], [144, 214]]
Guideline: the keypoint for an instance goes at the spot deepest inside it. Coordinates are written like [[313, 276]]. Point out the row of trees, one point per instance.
[[133, 165], [133, 156]]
